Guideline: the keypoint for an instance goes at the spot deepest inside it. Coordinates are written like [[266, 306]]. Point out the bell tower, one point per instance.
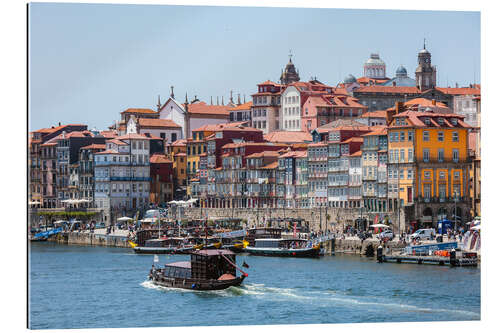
[[425, 74]]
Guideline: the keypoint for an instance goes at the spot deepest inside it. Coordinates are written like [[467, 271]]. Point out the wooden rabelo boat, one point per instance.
[[280, 247], [175, 245], [207, 270]]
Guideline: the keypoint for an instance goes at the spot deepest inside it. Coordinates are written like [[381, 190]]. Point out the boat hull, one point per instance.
[[196, 284], [161, 250], [313, 252]]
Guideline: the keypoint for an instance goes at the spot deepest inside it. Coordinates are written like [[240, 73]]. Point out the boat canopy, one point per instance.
[[181, 264]]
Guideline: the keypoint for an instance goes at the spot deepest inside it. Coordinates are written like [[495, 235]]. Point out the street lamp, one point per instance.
[[455, 197]]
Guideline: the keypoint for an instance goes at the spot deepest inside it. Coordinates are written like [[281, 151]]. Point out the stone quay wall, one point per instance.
[[339, 217], [77, 238]]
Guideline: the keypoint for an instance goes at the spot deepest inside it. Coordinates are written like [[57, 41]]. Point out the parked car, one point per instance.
[[364, 235], [422, 234], [100, 225], [386, 234]]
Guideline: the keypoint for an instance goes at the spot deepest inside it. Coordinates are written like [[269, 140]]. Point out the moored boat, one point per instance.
[[280, 247], [207, 270], [174, 245]]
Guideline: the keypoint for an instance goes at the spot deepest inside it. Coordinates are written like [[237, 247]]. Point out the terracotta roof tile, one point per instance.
[[110, 151], [388, 89], [204, 108], [94, 146], [272, 165], [288, 137], [151, 122], [180, 142], [460, 91], [139, 110], [132, 136], [244, 106], [159, 158]]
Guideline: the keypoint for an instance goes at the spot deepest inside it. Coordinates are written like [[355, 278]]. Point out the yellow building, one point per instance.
[[177, 153], [428, 165]]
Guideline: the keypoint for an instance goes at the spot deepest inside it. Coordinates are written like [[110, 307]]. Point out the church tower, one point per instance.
[[290, 75], [425, 74]]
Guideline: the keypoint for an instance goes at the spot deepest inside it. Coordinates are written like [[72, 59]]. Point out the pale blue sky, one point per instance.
[[89, 62]]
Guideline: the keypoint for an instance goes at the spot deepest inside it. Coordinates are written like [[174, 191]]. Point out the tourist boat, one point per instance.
[[207, 270], [174, 245], [280, 247]]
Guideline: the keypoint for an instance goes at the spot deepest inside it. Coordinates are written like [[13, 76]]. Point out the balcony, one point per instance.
[[130, 179]]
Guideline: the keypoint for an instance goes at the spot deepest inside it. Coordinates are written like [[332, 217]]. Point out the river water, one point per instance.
[[98, 287]]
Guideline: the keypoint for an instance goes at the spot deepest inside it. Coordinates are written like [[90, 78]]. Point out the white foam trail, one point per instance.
[[260, 290]]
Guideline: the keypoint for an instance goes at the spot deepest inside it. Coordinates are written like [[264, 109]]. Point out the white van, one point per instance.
[[422, 234]]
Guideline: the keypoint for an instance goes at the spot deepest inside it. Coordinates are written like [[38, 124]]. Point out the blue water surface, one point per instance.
[[98, 287]]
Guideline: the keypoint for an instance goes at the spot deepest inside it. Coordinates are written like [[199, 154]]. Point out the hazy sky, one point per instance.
[[89, 62]]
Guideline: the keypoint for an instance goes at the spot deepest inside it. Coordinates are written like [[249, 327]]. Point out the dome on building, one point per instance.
[[374, 60], [290, 74], [349, 79], [424, 51], [401, 71]]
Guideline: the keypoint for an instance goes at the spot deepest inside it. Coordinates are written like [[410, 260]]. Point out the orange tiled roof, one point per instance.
[[117, 142], [159, 158], [460, 91], [375, 114], [353, 139], [272, 165], [139, 110], [180, 142], [295, 153], [108, 134], [268, 82], [95, 146], [288, 137], [244, 106], [265, 153], [204, 108], [110, 151], [151, 122], [388, 89], [378, 131], [132, 136], [358, 153], [318, 144]]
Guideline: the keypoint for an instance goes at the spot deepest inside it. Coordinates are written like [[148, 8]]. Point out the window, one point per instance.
[[402, 174], [410, 136], [402, 155], [456, 175], [440, 136], [410, 174], [455, 136], [402, 136], [441, 175], [426, 155], [410, 155], [455, 155], [427, 175], [426, 136], [440, 155]]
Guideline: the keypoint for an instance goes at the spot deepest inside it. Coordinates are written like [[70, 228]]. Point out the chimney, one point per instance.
[[59, 123], [393, 83], [399, 107], [434, 102]]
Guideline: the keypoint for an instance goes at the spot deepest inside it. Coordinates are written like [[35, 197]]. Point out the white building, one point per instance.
[[290, 111], [198, 114], [467, 106], [122, 176], [166, 129]]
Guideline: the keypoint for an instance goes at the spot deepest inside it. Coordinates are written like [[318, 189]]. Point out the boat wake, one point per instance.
[[320, 298]]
